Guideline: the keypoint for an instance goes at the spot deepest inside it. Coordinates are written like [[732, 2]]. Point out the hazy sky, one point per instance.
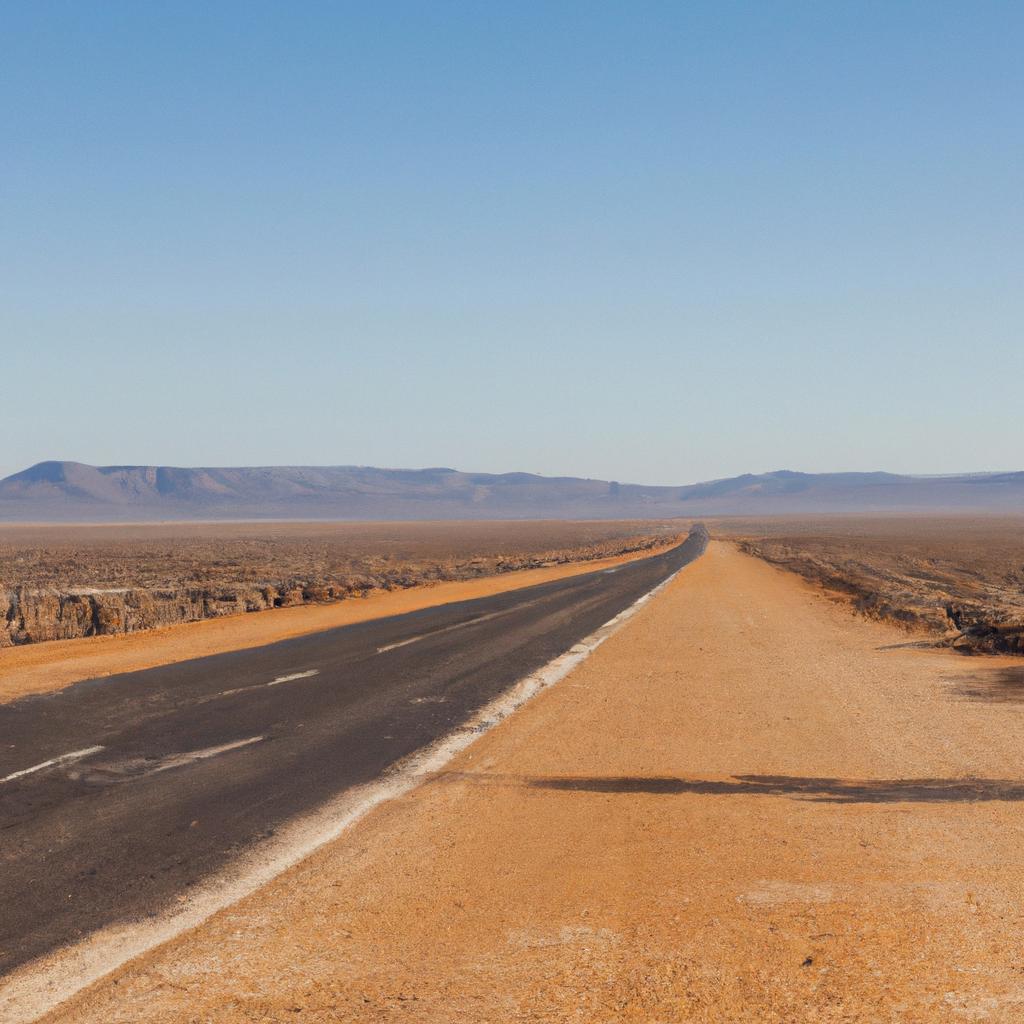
[[658, 242]]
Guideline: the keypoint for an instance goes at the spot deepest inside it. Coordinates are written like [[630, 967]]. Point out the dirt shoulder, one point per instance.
[[745, 806], [959, 579], [43, 668]]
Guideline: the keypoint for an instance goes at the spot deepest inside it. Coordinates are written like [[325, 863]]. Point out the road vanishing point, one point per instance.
[[118, 795]]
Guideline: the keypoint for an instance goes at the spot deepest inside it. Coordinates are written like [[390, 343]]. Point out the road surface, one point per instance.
[[117, 795]]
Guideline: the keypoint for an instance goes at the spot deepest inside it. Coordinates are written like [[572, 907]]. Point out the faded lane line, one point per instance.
[[190, 757], [459, 625], [294, 675], [75, 755], [445, 629], [261, 686]]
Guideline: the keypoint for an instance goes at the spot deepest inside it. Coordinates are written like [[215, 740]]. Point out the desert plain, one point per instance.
[[61, 582], [788, 788]]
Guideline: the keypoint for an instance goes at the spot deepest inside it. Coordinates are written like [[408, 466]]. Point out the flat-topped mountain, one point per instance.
[[63, 491]]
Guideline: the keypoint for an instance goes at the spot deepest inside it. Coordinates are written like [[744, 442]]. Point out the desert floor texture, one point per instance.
[[908, 569], [748, 805], [67, 582]]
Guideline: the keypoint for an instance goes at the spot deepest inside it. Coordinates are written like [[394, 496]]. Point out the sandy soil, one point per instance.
[[746, 806], [42, 668], [908, 569]]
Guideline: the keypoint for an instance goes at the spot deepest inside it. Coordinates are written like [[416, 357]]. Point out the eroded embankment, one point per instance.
[[962, 606], [31, 614]]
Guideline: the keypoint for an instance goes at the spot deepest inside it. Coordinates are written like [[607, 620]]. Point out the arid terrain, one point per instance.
[[748, 805], [65, 582], [764, 799], [959, 579]]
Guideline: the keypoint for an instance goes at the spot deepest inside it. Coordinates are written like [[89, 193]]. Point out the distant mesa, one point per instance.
[[73, 491]]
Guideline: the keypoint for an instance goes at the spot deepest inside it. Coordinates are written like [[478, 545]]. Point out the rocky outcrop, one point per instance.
[[29, 616], [985, 632]]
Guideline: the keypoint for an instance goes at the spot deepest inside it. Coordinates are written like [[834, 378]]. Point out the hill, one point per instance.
[[73, 491]]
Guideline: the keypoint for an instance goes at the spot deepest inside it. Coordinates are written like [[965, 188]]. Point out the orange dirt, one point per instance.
[[42, 668], [908, 569], [743, 807]]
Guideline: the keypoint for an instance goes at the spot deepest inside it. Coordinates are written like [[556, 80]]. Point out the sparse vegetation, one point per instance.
[[959, 579], [60, 582]]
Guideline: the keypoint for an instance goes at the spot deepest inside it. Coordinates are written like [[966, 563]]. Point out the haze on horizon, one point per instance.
[[651, 243]]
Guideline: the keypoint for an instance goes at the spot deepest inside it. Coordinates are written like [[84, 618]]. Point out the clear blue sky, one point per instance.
[[658, 242]]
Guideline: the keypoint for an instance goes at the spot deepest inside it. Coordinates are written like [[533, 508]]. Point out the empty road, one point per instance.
[[118, 794]]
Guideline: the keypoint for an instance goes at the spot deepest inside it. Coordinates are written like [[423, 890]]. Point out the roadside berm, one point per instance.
[[747, 805]]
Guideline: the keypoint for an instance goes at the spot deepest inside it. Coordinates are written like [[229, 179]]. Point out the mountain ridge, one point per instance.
[[65, 490]]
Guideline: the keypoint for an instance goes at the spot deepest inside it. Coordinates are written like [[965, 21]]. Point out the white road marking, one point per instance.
[[75, 755], [294, 675], [447, 629], [262, 686], [461, 625], [191, 756], [32, 990], [411, 640]]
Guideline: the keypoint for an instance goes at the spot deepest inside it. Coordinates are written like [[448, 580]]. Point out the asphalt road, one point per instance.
[[118, 794]]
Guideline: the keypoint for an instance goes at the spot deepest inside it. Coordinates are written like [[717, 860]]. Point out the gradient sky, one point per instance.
[[657, 242]]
